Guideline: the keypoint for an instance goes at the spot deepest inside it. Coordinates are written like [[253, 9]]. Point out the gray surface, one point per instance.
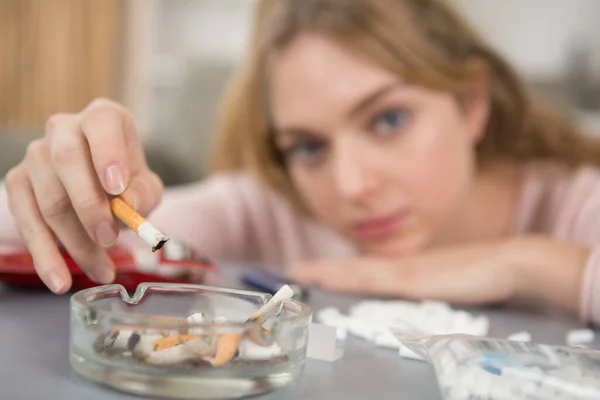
[[34, 329]]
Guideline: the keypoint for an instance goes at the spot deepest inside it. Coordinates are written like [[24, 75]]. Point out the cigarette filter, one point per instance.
[[227, 344], [145, 230]]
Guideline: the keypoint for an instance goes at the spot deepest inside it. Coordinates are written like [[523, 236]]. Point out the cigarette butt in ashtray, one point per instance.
[[145, 230], [228, 343], [172, 341]]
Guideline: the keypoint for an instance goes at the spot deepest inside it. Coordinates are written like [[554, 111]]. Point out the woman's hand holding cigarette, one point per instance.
[[60, 192]]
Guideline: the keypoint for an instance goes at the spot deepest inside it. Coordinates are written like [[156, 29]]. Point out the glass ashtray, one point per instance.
[[186, 341]]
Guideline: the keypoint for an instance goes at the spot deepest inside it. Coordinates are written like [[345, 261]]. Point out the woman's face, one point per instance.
[[385, 164]]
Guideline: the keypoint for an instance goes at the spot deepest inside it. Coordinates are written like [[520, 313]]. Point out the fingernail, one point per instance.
[[115, 179], [55, 282], [105, 234]]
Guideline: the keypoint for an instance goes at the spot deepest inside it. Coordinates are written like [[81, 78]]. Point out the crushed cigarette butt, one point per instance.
[[228, 343], [227, 347], [171, 341], [192, 350]]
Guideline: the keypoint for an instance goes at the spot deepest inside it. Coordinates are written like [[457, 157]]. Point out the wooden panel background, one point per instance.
[[56, 56]]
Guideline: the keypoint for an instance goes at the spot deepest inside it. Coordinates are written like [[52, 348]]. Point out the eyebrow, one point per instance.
[[373, 97], [358, 108]]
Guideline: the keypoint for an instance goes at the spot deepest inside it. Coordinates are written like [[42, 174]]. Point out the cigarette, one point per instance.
[[145, 230], [197, 318], [227, 345], [192, 350], [172, 341], [285, 293]]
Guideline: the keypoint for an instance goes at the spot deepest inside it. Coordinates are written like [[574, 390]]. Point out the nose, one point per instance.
[[354, 174]]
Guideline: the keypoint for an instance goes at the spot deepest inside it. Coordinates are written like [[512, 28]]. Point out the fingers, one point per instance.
[[468, 276], [115, 151], [144, 192], [36, 235], [56, 207], [118, 156], [60, 191], [69, 157], [362, 275]]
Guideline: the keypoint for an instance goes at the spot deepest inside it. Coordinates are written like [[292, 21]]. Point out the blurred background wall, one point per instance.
[[168, 61]]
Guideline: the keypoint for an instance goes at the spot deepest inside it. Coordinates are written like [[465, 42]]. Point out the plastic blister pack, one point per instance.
[[483, 368]]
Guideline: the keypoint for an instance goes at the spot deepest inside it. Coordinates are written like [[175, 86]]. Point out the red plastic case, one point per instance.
[[132, 267]]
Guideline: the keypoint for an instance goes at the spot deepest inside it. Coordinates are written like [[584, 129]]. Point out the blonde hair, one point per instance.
[[426, 42]]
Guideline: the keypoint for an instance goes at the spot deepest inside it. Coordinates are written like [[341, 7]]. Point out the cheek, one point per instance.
[[315, 191], [440, 166]]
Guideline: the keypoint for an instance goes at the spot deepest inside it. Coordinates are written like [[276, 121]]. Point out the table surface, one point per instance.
[[34, 362]]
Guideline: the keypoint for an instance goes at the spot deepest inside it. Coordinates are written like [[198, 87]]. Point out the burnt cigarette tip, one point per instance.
[[160, 244]]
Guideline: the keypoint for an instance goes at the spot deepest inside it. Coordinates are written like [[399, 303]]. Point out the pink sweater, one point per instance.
[[235, 218]]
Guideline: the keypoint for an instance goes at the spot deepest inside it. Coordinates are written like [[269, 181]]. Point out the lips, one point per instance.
[[380, 227]]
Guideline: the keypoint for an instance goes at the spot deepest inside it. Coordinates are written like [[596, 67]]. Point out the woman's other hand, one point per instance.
[[475, 274]]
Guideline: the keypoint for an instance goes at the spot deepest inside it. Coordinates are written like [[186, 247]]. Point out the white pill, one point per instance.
[[362, 331], [462, 320], [580, 336], [479, 327], [328, 313], [522, 336], [387, 339], [405, 352], [433, 308], [341, 333], [220, 320]]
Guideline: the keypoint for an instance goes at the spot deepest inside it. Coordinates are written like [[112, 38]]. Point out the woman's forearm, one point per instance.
[[549, 270]]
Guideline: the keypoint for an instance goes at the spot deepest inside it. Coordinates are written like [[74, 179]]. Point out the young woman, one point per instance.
[[377, 146]]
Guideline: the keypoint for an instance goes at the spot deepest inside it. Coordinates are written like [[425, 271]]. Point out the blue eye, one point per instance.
[[390, 121], [307, 150]]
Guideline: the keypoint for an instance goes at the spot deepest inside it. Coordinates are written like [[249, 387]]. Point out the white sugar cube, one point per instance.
[[522, 336], [580, 336], [321, 344]]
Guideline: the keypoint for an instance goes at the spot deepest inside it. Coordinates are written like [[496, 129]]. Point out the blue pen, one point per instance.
[[270, 282]]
